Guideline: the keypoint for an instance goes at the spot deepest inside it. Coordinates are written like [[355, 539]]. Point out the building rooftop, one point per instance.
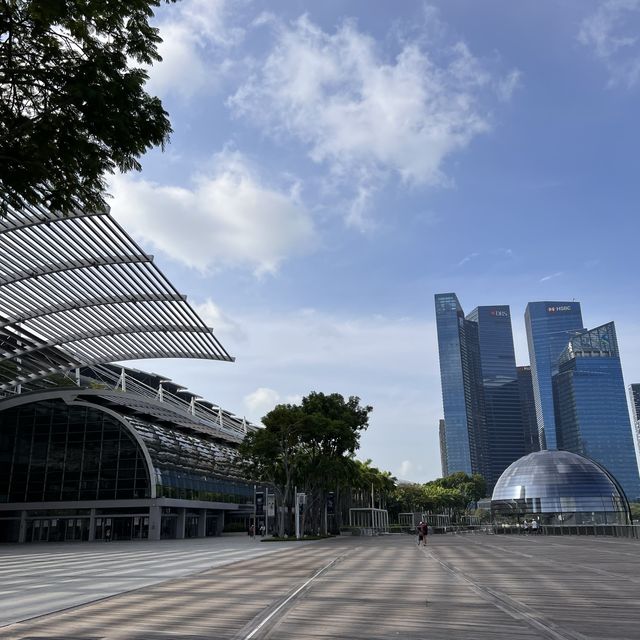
[[76, 290]]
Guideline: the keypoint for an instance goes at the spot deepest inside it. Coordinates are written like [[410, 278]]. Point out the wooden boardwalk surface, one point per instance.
[[458, 587]]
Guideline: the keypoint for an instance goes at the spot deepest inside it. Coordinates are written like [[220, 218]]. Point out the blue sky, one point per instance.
[[334, 164]]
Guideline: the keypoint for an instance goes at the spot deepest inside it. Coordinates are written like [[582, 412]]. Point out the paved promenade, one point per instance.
[[459, 587]]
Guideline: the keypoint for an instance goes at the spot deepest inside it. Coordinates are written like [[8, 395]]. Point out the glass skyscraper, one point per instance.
[[457, 376], [549, 327], [591, 412], [503, 429], [483, 423]]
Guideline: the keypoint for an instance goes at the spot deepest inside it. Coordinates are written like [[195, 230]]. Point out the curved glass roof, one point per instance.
[[173, 449], [77, 290], [557, 482]]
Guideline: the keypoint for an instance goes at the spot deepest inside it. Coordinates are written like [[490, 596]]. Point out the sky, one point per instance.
[[335, 164]]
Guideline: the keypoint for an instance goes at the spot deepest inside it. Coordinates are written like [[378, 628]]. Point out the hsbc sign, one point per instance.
[[559, 309]]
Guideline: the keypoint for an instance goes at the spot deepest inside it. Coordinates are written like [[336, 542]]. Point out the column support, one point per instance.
[[155, 521], [182, 516], [92, 525]]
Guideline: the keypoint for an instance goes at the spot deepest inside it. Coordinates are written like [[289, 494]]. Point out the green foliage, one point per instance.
[[72, 100], [635, 511], [364, 476], [310, 445], [472, 488], [452, 494]]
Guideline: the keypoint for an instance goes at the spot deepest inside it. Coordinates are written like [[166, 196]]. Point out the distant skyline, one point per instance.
[[335, 164]]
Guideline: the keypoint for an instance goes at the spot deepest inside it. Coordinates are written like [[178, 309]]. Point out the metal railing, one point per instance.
[[612, 530]]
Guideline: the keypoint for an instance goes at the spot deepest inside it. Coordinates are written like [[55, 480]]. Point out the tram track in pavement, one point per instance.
[[264, 623], [511, 606]]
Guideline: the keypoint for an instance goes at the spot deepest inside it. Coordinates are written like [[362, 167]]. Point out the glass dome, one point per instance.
[[559, 487]]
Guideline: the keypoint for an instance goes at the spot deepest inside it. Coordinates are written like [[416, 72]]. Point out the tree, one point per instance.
[[452, 494], [473, 487], [73, 106], [272, 453], [310, 445]]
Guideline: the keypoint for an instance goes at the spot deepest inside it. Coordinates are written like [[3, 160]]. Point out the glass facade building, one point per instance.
[[461, 422], [549, 326], [592, 417], [560, 487], [500, 395], [92, 463], [482, 415], [89, 450]]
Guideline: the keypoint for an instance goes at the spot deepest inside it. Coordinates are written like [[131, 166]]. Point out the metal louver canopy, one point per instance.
[[76, 290]]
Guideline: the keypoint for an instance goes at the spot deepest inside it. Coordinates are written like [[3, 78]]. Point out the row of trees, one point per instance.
[[312, 446], [453, 494]]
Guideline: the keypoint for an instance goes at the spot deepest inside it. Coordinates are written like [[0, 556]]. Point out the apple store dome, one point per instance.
[[559, 487]]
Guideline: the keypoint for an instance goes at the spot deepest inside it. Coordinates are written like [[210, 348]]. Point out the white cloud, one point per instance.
[[405, 469], [196, 38], [363, 115], [612, 33], [228, 218], [261, 401], [214, 317], [468, 258], [557, 274], [506, 86]]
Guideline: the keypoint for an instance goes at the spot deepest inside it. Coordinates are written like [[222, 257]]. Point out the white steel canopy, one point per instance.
[[77, 290]]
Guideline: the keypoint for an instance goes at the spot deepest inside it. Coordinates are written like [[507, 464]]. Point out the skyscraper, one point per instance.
[[528, 410], [549, 327], [503, 431], [462, 420], [591, 412], [483, 424]]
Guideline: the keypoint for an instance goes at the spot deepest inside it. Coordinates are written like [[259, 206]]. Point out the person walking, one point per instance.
[[423, 530]]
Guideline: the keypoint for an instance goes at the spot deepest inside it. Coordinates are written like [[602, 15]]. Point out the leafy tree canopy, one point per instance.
[[473, 488], [453, 493], [72, 101], [310, 445], [306, 439]]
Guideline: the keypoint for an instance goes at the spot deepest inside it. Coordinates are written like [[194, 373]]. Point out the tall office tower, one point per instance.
[[499, 387], [528, 410], [591, 407], [458, 351], [443, 448], [634, 396], [549, 326], [483, 425]]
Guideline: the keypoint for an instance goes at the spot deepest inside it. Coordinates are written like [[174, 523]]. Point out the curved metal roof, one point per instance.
[[77, 290]]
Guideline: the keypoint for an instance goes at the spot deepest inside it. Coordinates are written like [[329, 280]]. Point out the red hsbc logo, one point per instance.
[[566, 307]]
